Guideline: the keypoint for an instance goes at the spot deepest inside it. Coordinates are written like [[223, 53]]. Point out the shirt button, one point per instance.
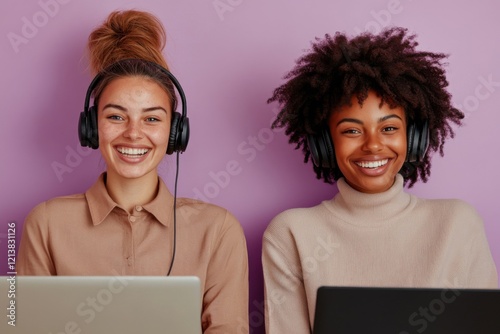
[[138, 208], [132, 219]]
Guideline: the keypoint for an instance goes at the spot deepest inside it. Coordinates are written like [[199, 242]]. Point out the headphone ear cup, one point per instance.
[[82, 129], [321, 148], [174, 124], [93, 132], [182, 134], [179, 134], [418, 141], [424, 141], [411, 136], [312, 141], [328, 150], [87, 128]]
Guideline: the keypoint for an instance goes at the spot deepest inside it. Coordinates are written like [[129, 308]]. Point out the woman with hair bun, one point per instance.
[[128, 222]]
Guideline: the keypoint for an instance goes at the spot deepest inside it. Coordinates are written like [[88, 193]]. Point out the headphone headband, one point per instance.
[[99, 76]]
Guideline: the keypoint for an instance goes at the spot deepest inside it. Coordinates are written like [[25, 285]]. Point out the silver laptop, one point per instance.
[[100, 304]]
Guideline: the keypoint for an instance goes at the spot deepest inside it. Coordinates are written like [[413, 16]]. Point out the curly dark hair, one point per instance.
[[338, 68]]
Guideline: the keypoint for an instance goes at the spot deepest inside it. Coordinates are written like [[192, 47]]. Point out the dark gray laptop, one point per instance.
[[100, 304], [354, 310]]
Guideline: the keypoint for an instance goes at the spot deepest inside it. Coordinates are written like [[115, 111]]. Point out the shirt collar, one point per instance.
[[101, 204], [162, 205]]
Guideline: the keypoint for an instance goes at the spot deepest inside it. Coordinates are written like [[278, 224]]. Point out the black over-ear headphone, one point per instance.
[[323, 153], [179, 127]]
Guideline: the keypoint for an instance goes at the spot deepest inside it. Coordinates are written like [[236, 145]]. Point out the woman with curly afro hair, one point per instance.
[[369, 111]]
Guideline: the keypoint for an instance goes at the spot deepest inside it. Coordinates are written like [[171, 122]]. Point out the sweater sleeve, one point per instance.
[[225, 303], [34, 256], [286, 308], [482, 272]]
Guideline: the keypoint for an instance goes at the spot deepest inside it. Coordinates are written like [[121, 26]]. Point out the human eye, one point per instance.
[[390, 128], [152, 119], [115, 117], [351, 132]]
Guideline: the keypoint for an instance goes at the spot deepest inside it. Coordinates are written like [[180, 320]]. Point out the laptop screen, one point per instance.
[[100, 304], [343, 310]]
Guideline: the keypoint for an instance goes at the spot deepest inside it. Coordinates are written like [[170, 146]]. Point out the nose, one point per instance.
[[373, 143], [133, 130]]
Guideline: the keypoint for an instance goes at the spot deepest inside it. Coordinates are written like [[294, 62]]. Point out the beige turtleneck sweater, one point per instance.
[[391, 239]]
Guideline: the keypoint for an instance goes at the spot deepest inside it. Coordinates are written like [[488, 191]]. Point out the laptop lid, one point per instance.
[[100, 304], [343, 310]]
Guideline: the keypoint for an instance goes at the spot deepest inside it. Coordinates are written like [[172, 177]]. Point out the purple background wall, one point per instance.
[[229, 56]]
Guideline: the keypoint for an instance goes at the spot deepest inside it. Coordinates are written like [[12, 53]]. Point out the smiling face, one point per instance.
[[370, 143], [134, 123]]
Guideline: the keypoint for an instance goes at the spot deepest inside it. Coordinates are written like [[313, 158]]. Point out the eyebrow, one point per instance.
[[358, 121], [119, 107]]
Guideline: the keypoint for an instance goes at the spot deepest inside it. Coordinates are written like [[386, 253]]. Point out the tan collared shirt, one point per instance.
[[89, 234]]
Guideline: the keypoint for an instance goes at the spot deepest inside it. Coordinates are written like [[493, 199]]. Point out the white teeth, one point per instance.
[[132, 151], [372, 164]]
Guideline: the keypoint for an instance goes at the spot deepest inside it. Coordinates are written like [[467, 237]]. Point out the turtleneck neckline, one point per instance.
[[370, 210]]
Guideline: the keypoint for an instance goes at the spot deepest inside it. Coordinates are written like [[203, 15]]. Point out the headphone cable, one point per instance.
[[175, 215]]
